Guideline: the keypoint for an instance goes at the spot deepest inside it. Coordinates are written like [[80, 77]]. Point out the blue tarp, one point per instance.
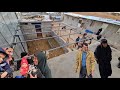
[[88, 31], [19, 77]]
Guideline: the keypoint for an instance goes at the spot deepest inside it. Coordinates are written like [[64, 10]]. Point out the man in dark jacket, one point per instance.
[[5, 69], [103, 54], [77, 40], [99, 31], [98, 37]]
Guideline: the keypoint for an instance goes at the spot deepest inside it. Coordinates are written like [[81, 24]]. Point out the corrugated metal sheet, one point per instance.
[[95, 18]]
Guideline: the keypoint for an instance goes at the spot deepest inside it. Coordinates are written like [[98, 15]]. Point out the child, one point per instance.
[[10, 59], [5, 70], [24, 67]]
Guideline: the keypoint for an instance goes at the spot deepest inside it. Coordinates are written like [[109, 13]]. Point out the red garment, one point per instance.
[[24, 66]]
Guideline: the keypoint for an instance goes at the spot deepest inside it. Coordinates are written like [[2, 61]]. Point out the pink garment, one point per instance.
[[24, 66]]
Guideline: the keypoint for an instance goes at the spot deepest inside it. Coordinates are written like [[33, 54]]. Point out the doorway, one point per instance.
[[38, 29]]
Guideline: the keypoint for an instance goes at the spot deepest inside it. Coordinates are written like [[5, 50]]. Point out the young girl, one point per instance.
[[24, 67]]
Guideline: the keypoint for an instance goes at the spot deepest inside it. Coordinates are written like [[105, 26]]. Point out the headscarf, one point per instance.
[[41, 61], [42, 64]]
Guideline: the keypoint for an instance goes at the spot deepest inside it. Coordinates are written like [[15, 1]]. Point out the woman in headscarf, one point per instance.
[[40, 61]]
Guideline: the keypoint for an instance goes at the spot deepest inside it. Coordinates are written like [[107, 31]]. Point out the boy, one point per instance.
[[5, 70]]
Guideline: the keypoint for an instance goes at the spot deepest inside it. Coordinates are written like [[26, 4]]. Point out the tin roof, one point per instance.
[[94, 18]]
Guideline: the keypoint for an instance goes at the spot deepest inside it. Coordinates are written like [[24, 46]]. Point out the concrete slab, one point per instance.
[[63, 66]]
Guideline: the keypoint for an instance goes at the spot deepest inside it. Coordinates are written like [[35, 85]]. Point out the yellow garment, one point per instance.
[[90, 62]]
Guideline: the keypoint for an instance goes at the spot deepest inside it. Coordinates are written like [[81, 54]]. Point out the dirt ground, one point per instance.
[[99, 14], [56, 52], [38, 45]]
